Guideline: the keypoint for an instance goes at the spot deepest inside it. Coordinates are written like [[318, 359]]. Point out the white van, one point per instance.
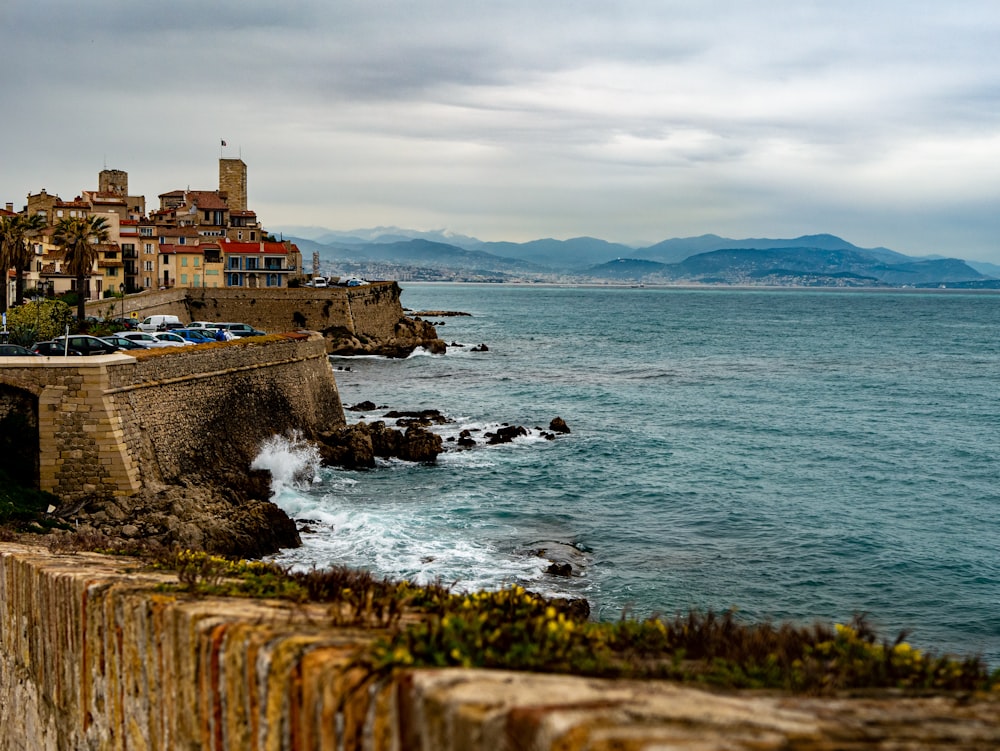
[[319, 281], [158, 322]]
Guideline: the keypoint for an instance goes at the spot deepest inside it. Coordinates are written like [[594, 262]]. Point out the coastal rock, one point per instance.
[[420, 445], [506, 434], [424, 418], [465, 439], [558, 425], [480, 348], [365, 406], [198, 515], [356, 446], [408, 335], [350, 447]]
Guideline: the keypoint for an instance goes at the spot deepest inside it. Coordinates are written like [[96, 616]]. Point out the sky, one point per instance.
[[632, 121]]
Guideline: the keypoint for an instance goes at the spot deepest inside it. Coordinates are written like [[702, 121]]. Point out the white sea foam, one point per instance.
[[291, 460]]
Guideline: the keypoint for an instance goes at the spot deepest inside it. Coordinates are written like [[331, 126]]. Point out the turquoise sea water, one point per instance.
[[797, 455]]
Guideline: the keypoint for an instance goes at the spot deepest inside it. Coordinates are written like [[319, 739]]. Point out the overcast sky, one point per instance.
[[632, 121]]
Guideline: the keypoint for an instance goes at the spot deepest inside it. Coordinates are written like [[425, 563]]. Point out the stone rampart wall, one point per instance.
[[371, 310], [94, 656], [111, 424]]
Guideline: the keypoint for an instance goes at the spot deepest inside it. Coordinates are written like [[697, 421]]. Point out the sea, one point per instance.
[[792, 455]]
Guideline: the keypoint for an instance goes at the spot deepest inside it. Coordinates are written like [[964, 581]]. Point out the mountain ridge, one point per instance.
[[815, 260]]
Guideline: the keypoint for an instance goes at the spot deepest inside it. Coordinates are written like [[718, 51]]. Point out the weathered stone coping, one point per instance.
[[93, 656]]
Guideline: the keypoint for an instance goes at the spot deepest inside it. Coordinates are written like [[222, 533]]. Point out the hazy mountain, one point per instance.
[[563, 255], [812, 259]]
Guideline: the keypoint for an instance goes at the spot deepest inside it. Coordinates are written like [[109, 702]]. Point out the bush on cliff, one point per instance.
[[515, 629]]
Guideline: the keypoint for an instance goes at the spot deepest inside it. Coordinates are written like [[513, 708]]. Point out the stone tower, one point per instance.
[[233, 182], [113, 181]]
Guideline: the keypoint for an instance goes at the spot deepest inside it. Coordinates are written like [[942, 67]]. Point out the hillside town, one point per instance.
[[194, 238]]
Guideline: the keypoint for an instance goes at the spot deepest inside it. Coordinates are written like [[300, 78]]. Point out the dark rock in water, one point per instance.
[[480, 348], [558, 425], [465, 439], [456, 344], [506, 434], [349, 447], [559, 569], [420, 445], [424, 418], [356, 446], [364, 406]]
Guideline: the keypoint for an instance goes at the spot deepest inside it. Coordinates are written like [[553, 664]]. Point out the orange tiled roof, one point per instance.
[[262, 247]]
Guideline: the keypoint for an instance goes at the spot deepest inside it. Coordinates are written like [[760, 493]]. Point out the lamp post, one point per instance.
[[121, 289]]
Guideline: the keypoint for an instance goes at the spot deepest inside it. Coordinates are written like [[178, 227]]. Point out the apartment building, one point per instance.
[[196, 238]]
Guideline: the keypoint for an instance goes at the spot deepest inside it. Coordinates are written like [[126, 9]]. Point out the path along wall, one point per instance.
[[93, 656], [111, 424], [371, 311]]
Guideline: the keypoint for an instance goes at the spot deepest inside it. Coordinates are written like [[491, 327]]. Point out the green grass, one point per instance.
[[24, 509]]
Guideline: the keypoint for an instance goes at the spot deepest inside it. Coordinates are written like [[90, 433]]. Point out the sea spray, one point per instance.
[[292, 461]]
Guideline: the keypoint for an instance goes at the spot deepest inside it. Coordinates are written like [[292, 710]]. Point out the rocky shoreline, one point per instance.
[[226, 510]]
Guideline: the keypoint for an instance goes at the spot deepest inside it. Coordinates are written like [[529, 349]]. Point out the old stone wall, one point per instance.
[[372, 311], [111, 424], [94, 655]]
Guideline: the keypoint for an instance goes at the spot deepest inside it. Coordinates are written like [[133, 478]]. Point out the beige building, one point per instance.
[[196, 238]]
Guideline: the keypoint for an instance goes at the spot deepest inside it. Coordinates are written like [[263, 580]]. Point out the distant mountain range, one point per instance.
[[811, 260]]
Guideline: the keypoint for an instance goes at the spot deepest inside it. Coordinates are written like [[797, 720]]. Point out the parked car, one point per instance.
[[143, 338], [128, 324], [158, 322], [202, 325], [121, 343], [355, 283], [86, 345], [197, 336], [172, 339], [240, 329], [15, 350], [53, 348]]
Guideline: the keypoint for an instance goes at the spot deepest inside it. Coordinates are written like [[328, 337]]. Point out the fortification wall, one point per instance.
[[93, 655], [371, 311], [111, 424]]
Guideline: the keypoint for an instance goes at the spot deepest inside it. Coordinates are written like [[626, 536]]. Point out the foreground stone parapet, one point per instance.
[[96, 655]]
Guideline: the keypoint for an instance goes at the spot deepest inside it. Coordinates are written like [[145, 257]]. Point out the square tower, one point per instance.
[[233, 182], [114, 181]]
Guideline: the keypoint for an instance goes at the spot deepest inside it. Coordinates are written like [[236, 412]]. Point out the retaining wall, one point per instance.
[[108, 425], [93, 656], [372, 310]]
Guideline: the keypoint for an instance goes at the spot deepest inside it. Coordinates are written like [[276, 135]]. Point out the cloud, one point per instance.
[[520, 119]]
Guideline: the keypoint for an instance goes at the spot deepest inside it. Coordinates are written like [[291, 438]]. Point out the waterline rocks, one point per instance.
[[358, 445]]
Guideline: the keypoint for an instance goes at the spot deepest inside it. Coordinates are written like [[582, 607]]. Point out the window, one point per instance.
[[148, 267], [197, 261], [253, 237], [239, 235], [234, 262], [184, 279], [148, 248], [181, 240], [252, 264], [184, 261], [146, 231]]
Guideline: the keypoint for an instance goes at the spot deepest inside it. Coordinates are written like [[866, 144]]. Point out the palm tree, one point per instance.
[[79, 237], [29, 225], [8, 241]]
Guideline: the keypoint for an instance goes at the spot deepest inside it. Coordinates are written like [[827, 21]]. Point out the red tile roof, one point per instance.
[[250, 248]]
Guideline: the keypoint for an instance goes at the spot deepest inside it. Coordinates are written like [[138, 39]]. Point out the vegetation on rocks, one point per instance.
[[23, 509], [430, 626]]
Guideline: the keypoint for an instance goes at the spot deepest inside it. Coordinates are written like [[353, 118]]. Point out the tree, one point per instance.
[[9, 228], [80, 237], [30, 226]]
